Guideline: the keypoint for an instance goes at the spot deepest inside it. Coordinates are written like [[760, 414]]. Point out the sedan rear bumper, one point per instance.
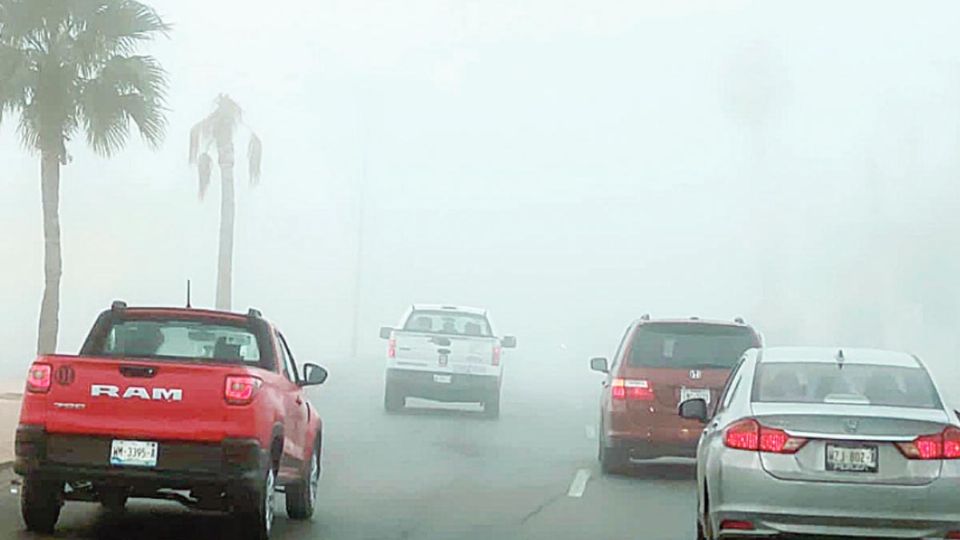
[[745, 492]]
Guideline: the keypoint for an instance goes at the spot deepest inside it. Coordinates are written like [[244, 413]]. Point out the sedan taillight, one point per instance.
[[944, 445], [750, 435]]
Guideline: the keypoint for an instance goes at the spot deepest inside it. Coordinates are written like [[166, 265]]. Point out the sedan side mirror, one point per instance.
[[385, 332], [313, 375], [694, 409], [508, 342], [599, 364]]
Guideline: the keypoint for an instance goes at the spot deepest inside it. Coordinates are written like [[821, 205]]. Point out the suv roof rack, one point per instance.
[[254, 313], [738, 320], [694, 318], [645, 317], [118, 305]]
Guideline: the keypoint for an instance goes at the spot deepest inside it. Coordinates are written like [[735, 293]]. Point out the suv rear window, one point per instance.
[[855, 384], [180, 340], [448, 322], [690, 345]]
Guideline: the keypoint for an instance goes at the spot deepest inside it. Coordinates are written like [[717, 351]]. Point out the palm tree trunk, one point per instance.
[[52, 261], [227, 210]]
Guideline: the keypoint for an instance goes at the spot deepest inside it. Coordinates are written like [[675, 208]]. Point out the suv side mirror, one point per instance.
[[508, 342], [313, 375], [385, 332], [599, 364], [694, 409]]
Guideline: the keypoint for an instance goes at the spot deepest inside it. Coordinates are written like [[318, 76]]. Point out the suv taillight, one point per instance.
[[631, 390], [748, 434], [944, 445], [392, 348], [496, 355], [240, 390], [39, 378]]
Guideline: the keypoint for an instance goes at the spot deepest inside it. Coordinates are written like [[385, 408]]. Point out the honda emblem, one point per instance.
[[696, 374]]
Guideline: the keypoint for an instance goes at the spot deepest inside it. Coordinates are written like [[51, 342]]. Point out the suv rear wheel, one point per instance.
[[302, 496], [40, 503], [612, 460]]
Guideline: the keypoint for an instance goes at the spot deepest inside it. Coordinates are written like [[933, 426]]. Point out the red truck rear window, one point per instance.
[[179, 339]]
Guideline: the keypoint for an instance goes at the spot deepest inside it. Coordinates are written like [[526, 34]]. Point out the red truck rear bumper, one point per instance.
[[180, 465]]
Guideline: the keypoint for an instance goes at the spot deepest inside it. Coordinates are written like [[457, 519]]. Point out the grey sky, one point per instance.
[[570, 165]]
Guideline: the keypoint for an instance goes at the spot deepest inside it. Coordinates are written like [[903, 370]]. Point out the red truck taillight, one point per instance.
[[39, 378], [392, 348], [496, 355], [240, 390], [631, 390]]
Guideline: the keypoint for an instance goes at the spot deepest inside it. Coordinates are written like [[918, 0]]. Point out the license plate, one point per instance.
[[695, 393], [847, 458], [442, 379], [133, 454]]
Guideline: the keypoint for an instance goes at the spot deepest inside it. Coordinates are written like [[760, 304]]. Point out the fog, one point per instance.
[[568, 165]]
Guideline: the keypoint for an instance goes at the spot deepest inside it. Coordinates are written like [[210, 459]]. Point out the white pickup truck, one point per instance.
[[444, 353]]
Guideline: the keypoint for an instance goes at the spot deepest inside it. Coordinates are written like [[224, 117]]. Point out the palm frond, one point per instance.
[[204, 168], [109, 27], [23, 22], [254, 155], [199, 134], [19, 79], [127, 88]]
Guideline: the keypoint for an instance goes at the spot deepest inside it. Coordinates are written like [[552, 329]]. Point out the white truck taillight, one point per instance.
[[392, 348], [39, 378], [631, 390], [497, 351], [240, 390]]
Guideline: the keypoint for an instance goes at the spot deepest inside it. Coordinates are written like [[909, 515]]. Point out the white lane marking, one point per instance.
[[591, 432], [579, 484]]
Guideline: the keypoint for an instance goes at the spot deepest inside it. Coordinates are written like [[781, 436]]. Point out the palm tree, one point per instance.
[[69, 66], [218, 131]]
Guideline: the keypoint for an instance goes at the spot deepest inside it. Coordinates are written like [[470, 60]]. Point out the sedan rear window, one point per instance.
[[181, 340], [690, 345], [854, 384]]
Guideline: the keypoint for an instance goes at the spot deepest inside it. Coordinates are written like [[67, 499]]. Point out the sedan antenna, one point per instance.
[[840, 359], [188, 294]]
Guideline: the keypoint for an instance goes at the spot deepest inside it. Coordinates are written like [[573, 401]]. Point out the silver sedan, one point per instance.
[[828, 442]]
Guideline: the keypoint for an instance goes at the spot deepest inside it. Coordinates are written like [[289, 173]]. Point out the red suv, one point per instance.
[[659, 364], [206, 408]]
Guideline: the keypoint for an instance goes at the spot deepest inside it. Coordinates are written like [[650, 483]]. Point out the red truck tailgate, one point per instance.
[[159, 400]]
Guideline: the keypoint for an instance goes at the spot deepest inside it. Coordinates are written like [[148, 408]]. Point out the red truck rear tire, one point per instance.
[[302, 496], [255, 509], [40, 503]]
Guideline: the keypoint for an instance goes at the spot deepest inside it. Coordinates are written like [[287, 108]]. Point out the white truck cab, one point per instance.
[[444, 353]]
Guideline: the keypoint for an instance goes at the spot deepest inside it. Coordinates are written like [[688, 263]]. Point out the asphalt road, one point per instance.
[[442, 473]]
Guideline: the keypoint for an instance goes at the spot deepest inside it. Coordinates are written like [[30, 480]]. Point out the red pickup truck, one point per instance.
[[201, 407]]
